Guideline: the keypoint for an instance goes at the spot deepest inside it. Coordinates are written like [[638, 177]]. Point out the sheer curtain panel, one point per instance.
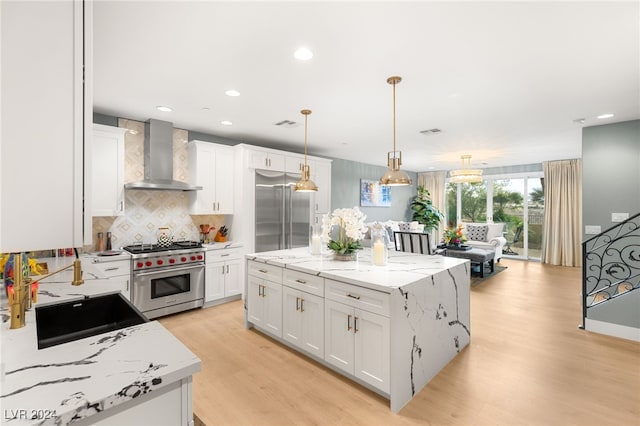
[[434, 182], [562, 230]]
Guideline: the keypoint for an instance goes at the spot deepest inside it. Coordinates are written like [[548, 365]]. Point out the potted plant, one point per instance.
[[423, 210]]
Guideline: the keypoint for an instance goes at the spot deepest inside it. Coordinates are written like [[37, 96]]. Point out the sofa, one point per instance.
[[487, 236]]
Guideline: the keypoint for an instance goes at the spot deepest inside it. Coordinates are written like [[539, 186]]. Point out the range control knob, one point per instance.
[[139, 265], [199, 257], [193, 258], [183, 259], [148, 263], [160, 262], [172, 260]]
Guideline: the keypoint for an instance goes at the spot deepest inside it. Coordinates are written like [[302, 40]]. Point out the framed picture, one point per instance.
[[372, 194]]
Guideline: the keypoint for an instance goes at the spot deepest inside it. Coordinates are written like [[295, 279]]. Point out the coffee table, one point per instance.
[[478, 257]]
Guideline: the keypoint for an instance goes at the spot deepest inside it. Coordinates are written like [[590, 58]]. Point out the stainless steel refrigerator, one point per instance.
[[282, 215]]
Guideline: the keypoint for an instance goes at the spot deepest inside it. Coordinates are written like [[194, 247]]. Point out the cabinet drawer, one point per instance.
[[223, 254], [305, 282], [262, 270], [358, 297], [113, 269]]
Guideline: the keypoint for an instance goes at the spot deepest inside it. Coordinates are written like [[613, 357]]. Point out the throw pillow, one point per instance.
[[404, 226], [477, 232]]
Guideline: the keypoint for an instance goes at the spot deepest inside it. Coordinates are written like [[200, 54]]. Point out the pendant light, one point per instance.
[[466, 174], [305, 184], [394, 176]]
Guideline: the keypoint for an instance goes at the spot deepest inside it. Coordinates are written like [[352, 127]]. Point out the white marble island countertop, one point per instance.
[[402, 268], [72, 381]]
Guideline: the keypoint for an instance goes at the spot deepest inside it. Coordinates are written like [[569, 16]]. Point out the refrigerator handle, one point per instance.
[[283, 218], [290, 216]]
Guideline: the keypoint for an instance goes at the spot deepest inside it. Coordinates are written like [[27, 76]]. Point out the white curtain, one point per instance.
[[434, 182], [562, 230]]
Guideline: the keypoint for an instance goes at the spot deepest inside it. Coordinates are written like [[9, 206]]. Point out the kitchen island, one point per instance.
[[390, 328], [136, 375]]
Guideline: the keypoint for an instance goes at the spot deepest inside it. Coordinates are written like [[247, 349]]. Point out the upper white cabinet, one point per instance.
[[44, 48], [107, 170], [266, 160], [212, 167]]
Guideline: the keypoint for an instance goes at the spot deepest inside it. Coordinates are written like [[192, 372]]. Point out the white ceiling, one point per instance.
[[503, 80]]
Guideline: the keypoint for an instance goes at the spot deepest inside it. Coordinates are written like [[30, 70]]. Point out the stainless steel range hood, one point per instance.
[[158, 160]]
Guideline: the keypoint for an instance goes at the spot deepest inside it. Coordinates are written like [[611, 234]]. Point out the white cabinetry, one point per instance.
[[266, 160], [222, 274], [303, 312], [264, 297], [321, 175], [107, 171], [46, 52], [118, 271], [211, 166], [357, 336]]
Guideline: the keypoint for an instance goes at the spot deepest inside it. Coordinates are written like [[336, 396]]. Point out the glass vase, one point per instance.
[[315, 239], [379, 245]]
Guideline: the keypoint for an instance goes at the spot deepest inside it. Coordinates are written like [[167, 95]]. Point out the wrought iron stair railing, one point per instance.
[[611, 262]]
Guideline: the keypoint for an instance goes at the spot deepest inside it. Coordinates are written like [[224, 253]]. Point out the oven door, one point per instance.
[[167, 291]]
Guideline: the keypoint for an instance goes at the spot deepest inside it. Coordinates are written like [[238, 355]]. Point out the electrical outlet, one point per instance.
[[592, 229], [619, 217]]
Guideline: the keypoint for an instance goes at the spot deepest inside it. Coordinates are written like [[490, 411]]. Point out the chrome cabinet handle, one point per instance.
[[355, 324], [112, 269], [264, 271], [297, 303], [226, 254], [227, 269], [301, 304], [352, 296], [301, 281], [223, 269], [348, 322]]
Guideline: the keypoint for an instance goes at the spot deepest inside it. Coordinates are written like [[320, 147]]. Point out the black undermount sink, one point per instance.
[[76, 319]]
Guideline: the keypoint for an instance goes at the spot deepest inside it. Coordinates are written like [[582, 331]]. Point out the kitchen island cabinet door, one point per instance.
[[232, 281], [303, 320], [107, 171], [46, 83], [372, 352], [265, 305], [339, 337]]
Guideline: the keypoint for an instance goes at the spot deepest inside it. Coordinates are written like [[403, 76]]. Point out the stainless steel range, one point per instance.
[[167, 280]]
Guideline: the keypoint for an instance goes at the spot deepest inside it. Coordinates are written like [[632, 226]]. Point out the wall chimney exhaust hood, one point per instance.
[[158, 160]]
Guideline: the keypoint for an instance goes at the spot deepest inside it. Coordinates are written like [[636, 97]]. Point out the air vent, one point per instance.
[[431, 131], [287, 123]]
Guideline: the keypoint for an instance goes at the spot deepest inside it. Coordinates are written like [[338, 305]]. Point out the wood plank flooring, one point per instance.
[[527, 364]]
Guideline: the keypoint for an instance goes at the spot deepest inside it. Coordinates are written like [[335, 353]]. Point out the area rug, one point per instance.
[[476, 279]]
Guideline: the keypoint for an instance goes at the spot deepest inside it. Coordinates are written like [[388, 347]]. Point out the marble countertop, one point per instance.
[[402, 268], [221, 246], [78, 379]]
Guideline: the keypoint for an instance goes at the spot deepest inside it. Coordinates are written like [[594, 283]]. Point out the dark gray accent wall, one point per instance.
[[345, 190], [211, 138], [610, 172], [107, 120], [611, 184]]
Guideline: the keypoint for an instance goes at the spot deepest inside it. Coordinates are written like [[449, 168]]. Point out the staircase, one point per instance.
[[611, 267]]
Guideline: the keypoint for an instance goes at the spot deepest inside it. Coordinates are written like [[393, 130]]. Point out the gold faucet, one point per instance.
[[22, 297]]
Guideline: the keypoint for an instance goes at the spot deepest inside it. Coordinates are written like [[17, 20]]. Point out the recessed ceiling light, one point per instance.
[[164, 108], [226, 123], [579, 120], [232, 93], [600, 117], [303, 54], [206, 108]]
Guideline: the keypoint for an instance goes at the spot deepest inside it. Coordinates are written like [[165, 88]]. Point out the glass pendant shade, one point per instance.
[[305, 184], [394, 176], [466, 174]]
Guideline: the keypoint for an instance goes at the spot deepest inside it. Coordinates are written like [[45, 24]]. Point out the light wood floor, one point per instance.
[[527, 364]]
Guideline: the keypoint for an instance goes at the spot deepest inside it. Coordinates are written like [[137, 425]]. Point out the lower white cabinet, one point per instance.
[[116, 272], [303, 320], [358, 342], [265, 304], [222, 274]]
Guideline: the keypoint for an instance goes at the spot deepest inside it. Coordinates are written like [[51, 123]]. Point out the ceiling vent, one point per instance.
[[431, 131], [287, 123]]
